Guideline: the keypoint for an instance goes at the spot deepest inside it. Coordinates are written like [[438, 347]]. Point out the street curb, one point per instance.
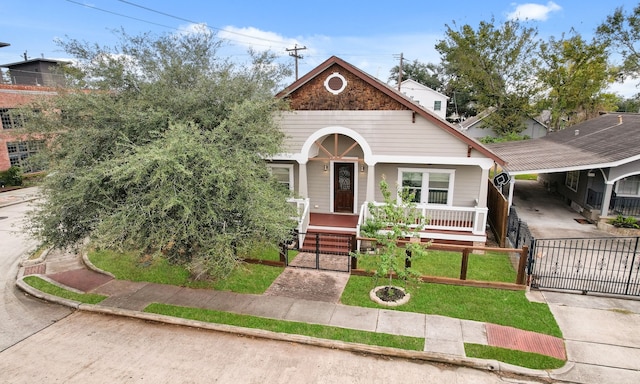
[[40, 259], [89, 264], [480, 364], [18, 202]]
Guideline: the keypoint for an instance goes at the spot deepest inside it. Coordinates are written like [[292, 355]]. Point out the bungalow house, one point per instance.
[[594, 165], [346, 130], [476, 127]]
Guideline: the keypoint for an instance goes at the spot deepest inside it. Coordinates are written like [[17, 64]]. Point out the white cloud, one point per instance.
[[532, 11], [256, 39]]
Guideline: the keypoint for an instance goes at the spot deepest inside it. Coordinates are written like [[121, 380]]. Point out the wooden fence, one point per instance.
[[498, 214]]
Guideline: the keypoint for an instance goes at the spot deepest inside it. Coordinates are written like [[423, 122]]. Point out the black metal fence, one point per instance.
[[605, 265], [322, 251], [619, 205], [518, 231]]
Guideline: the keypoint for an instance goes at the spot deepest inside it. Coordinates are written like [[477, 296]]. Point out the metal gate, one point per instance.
[[323, 251], [608, 265]]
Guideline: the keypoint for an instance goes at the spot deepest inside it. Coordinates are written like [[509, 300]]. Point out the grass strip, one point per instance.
[[290, 327], [52, 289], [509, 356], [502, 307]]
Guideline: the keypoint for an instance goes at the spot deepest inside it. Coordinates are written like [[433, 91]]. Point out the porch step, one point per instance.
[[328, 242]]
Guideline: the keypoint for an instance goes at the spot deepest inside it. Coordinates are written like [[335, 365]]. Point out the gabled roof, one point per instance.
[[392, 93], [415, 84], [605, 141]]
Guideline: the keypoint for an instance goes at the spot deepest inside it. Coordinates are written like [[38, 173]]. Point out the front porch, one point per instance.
[[443, 224]]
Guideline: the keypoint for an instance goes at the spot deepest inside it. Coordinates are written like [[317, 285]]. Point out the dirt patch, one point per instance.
[[309, 284]]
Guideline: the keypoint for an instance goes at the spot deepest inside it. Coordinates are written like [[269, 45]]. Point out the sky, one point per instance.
[[368, 34]]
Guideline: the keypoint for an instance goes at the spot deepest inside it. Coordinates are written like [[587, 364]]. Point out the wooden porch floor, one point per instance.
[[333, 220]]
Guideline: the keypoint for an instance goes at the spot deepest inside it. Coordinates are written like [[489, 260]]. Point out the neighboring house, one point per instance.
[[15, 146], [476, 127], [29, 79], [38, 72], [594, 165], [347, 130], [431, 100]]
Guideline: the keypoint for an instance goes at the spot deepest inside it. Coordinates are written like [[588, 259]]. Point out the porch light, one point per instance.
[[326, 167], [361, 167]]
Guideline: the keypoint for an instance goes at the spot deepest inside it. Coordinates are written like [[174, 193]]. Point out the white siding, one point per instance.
[[386, 132]]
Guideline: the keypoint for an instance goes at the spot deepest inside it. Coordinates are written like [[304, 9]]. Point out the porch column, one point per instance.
[[484, 189], [512, 184], [302, 180], [606, 199], [371, 183]]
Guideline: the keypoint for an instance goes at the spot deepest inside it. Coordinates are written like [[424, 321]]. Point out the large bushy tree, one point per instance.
[[575, 74], [621, 31], [493, 64], [162, 151]]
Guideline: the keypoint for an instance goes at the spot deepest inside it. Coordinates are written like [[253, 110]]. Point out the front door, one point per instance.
[[343, 188]]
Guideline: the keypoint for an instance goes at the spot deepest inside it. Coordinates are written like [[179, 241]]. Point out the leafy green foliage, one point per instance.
[[624, 222], [390, 223], [164, 154], [511, 136], [493, 64], [621, 31], [576, 73], [11, 177]]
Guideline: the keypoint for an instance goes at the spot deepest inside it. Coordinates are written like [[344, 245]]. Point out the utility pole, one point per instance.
[[295, 55], [400, 72]]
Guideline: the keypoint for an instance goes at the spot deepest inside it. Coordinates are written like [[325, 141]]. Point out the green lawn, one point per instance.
[[52, 289], [247, 278], [509, 356], [290, 327], [503, 307], [492, 266]]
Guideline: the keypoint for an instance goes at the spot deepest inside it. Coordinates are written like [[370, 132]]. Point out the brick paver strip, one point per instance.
[[527, 341], [82, 279], [37, 269]]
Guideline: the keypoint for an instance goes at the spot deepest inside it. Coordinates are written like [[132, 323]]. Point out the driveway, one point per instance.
[[549, 216]]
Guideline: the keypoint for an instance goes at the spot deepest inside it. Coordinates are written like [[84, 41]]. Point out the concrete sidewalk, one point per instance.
[[444, 337]]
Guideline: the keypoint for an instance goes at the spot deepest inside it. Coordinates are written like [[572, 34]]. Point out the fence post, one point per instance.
[[522, 264], [317, 250], [465, 264], [354, 260], [283, 253]]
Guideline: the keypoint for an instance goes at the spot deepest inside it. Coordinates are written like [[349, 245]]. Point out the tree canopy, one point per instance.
[[576, 73], [493, 64], [162, 151], [621, 31]]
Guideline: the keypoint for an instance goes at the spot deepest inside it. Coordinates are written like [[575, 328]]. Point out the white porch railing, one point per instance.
[[443, 218], [302, 209]]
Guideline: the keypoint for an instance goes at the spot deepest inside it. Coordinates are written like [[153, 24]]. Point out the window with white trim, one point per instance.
[[283, 174], [572, 180], [429, 186], [629, 186], [437, 105]]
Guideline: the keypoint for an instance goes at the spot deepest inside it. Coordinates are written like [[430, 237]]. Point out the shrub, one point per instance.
[[11, 177], [624, 222]]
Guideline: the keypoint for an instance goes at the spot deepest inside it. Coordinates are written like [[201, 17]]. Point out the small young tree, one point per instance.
[[389, 224]]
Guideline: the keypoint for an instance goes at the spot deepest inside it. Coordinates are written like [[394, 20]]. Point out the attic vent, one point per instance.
[[335, 83]]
